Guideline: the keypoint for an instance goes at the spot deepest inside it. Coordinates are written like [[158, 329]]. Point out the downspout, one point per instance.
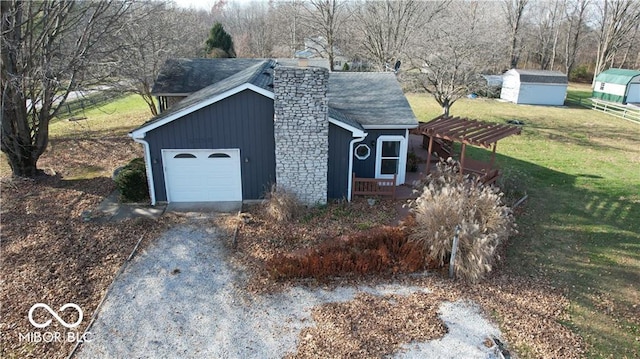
[[147, 161], [353, 142]]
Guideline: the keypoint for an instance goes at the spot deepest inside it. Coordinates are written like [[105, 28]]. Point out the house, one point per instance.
[[534, 87], [317, 47], [304, 128], [618, 85]]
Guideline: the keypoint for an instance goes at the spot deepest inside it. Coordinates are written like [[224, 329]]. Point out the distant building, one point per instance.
[[316, 47], [618, 85], [534, 87]]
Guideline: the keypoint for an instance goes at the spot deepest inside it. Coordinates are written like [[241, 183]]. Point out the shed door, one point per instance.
[[633, 95], [202, 175]]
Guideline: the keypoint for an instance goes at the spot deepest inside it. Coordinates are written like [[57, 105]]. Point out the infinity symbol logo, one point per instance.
[[55, 315]]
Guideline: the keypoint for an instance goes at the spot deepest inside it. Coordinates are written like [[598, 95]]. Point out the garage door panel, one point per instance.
[[202, 175]]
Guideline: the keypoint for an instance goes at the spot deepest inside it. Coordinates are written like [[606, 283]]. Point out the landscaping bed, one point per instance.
[[530, 310]]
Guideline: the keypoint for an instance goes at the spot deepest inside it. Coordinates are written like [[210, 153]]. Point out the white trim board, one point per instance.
[[140, 132]]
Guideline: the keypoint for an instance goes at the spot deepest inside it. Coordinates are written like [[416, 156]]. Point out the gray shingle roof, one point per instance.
[[260, 74], [357, 99], [542, 76], [339, 116], [370, 98], [185, 76]]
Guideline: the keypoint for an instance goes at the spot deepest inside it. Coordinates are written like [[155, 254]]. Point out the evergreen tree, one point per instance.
[[219, 43]]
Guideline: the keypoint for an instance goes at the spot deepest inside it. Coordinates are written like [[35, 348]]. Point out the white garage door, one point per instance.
[[202, 175]]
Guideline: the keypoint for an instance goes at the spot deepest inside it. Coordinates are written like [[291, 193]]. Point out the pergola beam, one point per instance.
[[467, 132]]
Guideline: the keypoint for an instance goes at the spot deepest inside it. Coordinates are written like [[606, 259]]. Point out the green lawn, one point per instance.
[[115, 118], [581, 226]]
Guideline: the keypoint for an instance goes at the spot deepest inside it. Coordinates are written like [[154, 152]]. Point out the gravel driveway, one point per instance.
[[181, 298]]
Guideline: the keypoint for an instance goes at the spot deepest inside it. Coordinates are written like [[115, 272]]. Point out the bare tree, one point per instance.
[[617, 20], [152, 33], [514, 11], [48, 50], [325, 18], [576, 16], [387, 26], [250, 26], [461, 46], [546, 18]]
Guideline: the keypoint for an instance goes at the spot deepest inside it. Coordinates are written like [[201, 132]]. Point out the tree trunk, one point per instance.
[[445, 107]]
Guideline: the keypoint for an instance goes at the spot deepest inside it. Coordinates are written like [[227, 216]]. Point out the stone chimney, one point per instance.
[[301, 131]]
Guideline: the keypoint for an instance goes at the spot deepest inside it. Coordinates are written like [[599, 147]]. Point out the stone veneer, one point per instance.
[[301, 129]]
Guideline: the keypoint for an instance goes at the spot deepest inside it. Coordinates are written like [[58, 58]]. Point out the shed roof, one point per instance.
[[617, 76], [374, 99], [541, 76]]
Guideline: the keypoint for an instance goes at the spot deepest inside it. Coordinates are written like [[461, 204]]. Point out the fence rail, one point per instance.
[[374, 186], [625, 112]]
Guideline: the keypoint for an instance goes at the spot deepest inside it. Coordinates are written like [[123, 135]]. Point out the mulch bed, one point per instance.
[[529, 310]]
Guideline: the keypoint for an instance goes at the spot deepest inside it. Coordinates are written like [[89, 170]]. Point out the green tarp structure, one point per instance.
[[614, 76]]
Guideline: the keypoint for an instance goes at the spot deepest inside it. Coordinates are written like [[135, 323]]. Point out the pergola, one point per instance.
[[467, 132]]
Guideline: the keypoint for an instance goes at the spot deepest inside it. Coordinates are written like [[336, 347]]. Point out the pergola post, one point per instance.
[[493, 155], [429, 154], [463, 149]]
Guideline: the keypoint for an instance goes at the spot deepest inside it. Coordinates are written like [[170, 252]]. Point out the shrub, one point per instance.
[[281, 205], [131, 181], [377, 250], [449, 200], [412, 161], [581, 74]]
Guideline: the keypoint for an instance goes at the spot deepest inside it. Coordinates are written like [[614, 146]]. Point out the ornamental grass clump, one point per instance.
[[449, 200], [281, 205]]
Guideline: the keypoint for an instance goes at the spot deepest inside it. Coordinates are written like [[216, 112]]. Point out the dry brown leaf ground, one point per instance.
[[48, 254], [530, 312]]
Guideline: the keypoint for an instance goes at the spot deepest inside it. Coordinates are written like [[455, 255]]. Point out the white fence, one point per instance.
[[626, 112]]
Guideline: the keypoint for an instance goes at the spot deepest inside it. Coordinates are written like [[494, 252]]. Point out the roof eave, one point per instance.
[[141, 131]]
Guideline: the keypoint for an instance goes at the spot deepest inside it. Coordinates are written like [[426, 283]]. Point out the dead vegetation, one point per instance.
[[343, 243], [378, 250], [451, 205], [49, 253], [281, 205]]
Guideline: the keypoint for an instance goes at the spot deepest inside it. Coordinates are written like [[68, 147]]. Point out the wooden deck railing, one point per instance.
[[374, 186]]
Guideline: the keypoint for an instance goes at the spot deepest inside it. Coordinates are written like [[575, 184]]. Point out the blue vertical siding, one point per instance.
[[367, 168], [243, 120], [338, 176]]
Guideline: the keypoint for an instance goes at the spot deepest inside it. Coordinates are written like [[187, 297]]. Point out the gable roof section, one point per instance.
[[542, 76], [185, 76], [617, 76], [339, 119], [372, 99], [258, 78]]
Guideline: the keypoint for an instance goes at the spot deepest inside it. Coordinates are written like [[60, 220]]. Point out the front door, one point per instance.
[[391, 155]]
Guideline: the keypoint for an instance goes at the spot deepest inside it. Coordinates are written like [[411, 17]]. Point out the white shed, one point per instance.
[[534, 87]]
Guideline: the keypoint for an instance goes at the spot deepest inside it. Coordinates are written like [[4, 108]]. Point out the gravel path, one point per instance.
[[182, 298]]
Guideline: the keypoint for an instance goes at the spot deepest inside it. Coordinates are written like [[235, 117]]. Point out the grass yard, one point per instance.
[[107, 124], [581, 227]]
